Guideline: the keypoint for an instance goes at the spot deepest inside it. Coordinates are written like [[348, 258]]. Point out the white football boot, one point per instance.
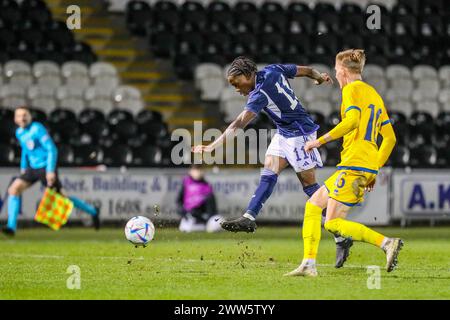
[[304, 270], [392, 249]]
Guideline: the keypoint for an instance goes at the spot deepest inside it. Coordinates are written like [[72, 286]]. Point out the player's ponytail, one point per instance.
[[353, 60]]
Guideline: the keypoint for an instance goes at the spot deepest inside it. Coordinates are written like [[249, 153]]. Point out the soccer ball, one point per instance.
[[139, 231]]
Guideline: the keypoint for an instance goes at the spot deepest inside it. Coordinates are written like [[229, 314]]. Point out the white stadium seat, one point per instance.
[[72, 68], [40, 91], [444, 76], [395, 72], [231, 103], [420, 72], [430, 106], [13, 102], [126, 92], [206, 70], [104, 105], [372, 70], [67, 91], [8, 91], [211, 88], [75, 105], [132, 105], [44, 103], [94, 92], [404, 106], [322, 106], [16, 67], [106, 82], [46, 68], [102, 69], [427, 89]]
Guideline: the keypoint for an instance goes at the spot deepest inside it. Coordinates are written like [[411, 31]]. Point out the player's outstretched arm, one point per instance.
[[305, 71], [389, 140], [349, 123], [241, 122]]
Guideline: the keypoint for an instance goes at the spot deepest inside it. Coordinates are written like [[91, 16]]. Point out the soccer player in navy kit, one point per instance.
[[269, 90], [38, 163]]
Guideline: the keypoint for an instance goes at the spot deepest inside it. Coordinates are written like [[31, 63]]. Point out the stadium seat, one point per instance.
[[7, 155], [333, 153], [404, 106], [99, 69], [7, 129], [322, 106], [443, 123], [124, 129], [443, 157], [400, 157], [147, 156], [444, 98], [273, 13], [65, 155], [146, 116], [117, 155], [138, 14], [421, 122], [105, 105], [444, 76], [45, 103], [126, 92], [167, 12], [185, 65], [40, 91], [423, 156], [67, 91], [87, 155], [231, 103], [429, 106], [36, 11], [427, 89], [38, 115]]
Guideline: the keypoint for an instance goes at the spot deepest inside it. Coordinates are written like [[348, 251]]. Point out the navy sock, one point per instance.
[[309, 190], [263, 192]]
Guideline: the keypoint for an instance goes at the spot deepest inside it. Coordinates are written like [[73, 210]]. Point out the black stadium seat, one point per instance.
[[87, 155], [147, 156], [399, 157], [7, 155], [117, 155], [65, 155], [423, 156], [10, 12], [138, 15]]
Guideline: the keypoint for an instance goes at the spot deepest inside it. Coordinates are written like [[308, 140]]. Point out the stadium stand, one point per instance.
[[88, 81], [93, 118], [404, 64]]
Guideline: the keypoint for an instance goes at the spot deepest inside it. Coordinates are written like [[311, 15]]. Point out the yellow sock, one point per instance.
[[355, 230], [311, 230]]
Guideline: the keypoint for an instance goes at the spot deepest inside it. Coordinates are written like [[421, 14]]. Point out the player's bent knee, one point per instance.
[[332, 225], [16, 188], [320, 198]]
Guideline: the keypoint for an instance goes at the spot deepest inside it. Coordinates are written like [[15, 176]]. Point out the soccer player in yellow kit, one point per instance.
[[364, 117]]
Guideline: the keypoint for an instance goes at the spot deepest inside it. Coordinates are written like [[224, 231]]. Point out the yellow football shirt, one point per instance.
[[360, 149]]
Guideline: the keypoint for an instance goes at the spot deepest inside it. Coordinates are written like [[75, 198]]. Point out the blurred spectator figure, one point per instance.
[[197, 204]]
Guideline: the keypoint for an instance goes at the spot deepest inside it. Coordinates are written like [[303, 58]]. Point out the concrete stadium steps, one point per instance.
[[108, 36]]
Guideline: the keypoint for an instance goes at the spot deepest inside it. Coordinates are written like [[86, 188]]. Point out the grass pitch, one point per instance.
[[216, 266]]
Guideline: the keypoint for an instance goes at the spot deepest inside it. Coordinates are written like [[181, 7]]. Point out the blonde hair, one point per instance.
[[353, 60]]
